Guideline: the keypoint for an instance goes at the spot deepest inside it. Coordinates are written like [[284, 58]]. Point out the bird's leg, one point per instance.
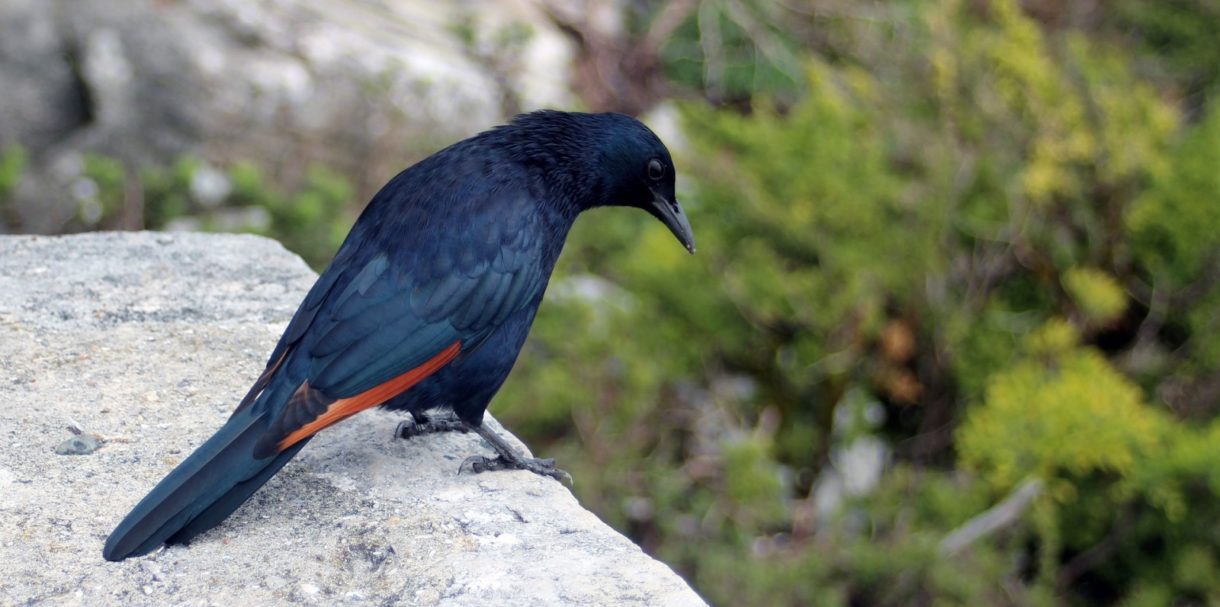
[[422, 423], [508, 458]]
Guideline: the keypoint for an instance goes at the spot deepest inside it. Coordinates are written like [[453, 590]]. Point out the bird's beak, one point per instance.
[[672, 216]]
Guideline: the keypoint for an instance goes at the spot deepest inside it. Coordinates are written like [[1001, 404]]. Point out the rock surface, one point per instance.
[[146, 341]]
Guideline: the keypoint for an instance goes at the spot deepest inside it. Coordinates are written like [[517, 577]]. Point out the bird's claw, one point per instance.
[[542, 467], [411, 428]]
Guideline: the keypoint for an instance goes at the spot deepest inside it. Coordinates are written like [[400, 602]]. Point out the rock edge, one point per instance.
[[147, 341]]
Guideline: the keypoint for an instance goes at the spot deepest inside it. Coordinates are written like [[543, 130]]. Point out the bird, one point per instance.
[[424, 308]]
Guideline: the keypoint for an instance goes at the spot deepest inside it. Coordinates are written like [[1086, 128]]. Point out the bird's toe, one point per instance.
[[542, 467], [478, 463]]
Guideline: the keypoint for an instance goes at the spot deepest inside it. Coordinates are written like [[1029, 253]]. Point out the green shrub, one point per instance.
[[107, 197], [167, 191], [13, 161], [311, 221], [1123, 474]]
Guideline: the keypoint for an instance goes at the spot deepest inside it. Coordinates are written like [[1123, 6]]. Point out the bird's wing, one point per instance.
[[380, 321]]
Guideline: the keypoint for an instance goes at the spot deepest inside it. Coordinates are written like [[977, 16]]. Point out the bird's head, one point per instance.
[[639, 172]]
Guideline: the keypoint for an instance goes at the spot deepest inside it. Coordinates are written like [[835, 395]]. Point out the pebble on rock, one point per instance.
[[78, 445]]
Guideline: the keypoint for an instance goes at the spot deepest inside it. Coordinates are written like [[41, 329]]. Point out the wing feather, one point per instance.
[[383, 309]]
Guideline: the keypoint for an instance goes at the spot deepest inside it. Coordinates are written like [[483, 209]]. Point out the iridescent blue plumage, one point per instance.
[[426, 304]]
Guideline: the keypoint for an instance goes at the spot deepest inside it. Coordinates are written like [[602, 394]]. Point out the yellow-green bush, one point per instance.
[[1121, 472], [1064, 414], [1095, 293]]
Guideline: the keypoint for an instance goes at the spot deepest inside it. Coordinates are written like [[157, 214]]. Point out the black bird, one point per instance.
[[425, 306]]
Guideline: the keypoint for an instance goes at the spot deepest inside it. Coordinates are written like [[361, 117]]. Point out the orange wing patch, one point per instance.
[[347, 407]]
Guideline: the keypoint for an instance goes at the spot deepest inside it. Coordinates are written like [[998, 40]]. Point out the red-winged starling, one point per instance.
[[425, 306]]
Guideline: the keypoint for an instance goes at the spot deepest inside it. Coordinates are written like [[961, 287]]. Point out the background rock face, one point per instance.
[[352, 85], [147, 341]]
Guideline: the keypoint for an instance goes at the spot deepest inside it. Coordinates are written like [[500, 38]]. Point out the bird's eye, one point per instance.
[[656, 169]]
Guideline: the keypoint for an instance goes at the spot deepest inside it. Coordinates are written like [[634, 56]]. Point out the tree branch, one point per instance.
[[992, 520]]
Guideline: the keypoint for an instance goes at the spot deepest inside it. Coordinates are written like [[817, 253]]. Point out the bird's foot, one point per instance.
[[421, 424], [542, 467]]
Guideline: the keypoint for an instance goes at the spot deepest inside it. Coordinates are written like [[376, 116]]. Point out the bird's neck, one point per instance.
[[558, 155]]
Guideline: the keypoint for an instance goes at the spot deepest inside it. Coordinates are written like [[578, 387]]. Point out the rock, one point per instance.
[[91, 325], [78, 445], [359, 86], [42, 101]]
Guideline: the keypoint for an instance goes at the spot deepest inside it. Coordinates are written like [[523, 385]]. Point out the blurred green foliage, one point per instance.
[[732, 51], [13, 159], [1123, 474], [312, 219], [167, 191], [104, 194], [1175, 38], [1095, 294], [12, 162], [1001, 234]]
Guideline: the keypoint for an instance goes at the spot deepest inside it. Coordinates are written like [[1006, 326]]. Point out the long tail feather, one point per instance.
[[204, 489], [247, 451]]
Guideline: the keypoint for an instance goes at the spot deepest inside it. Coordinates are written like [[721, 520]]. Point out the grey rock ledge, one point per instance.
[[147, 341]]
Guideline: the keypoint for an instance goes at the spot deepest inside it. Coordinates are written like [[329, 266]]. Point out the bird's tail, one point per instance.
[[204, 489]]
